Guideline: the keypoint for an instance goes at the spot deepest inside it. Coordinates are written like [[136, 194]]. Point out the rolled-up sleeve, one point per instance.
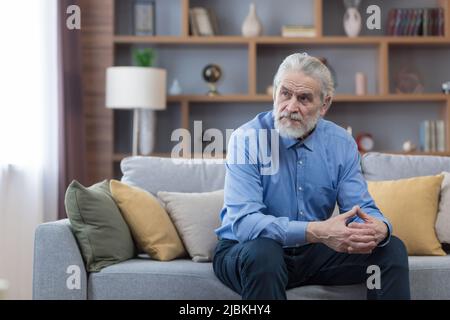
[[352, 189]]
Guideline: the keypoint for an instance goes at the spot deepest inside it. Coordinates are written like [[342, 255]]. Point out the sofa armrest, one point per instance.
[[58, 267]]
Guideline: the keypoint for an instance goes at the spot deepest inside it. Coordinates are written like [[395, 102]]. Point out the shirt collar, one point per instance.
[[309, 142]]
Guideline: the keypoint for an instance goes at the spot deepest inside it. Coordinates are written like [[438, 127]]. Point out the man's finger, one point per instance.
[[362, 245], [364, 215], [359, 225], [354, 251], [362, 238], [349, 214]]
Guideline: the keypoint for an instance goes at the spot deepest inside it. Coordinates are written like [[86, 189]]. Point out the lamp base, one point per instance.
[[147, 128], [144, 124]]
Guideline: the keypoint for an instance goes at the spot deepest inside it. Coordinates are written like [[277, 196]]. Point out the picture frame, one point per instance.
[[144, 12], [202, 22]]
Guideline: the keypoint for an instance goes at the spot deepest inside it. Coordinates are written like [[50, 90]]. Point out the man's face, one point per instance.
[[297, 105]]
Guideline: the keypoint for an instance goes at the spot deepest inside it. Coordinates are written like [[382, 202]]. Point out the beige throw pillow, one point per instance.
[[148, 221], [195, 216], [443, 217]]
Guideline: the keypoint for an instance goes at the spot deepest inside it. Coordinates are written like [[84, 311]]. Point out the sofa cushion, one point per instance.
[[149, 222], [381, 166], [155, 174], [185, 279], [196, 216], [443, 218], [102, 234], [429, 277], [411, 206]]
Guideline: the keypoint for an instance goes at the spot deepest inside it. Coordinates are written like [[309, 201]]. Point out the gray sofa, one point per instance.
[[56, 248]]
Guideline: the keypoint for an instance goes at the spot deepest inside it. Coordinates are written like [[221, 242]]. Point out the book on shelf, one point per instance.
[[202, 22], [416, 22], [298, 31], [432, 136]]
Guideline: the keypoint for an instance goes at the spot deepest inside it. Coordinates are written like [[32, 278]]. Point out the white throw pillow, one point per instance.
[[195, 215], [443, 217]]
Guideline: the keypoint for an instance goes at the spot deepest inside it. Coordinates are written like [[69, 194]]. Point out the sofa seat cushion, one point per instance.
[[185, 279], [429, 277]]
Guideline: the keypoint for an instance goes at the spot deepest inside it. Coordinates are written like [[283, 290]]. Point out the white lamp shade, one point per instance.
[[136, 87]]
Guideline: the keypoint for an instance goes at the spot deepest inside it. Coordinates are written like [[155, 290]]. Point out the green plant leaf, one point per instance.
[[144, 57]]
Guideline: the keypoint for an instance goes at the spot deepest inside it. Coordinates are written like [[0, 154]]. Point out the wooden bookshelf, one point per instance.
[[382, 45], [275, 40]]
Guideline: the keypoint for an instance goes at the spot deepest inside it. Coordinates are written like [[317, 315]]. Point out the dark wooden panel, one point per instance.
[[97, 54]]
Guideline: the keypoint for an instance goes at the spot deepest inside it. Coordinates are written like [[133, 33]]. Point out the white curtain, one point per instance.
[[28, 134]]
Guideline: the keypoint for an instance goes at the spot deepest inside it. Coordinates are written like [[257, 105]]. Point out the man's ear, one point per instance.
[[325, 106]]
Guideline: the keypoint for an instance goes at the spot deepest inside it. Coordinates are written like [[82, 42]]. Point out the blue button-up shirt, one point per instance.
[[311, 176]]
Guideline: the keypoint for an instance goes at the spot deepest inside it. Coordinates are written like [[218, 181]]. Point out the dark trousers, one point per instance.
[[262, 269]]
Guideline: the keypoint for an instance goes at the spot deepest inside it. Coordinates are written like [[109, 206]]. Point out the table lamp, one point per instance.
[[137, 88]]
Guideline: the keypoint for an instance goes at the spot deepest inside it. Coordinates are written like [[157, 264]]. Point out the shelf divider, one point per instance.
[[383, 67], [184, 18], [252, 68], [318, 21]]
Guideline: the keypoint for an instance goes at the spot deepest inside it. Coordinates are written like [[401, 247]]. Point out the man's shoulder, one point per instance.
[[335, 133]]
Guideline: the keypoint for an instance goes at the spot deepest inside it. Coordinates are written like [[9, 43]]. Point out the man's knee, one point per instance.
[[262, 256], [395, 252]]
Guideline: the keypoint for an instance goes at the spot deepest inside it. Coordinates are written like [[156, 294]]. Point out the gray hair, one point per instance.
[[311, 67]]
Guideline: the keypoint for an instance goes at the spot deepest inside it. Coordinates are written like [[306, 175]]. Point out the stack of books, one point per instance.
[[416, 22], [298, 31], [432, 136]]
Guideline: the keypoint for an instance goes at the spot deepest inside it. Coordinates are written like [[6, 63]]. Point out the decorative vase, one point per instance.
[[252, 26], [147, 131], [175, 88], [352, 22]]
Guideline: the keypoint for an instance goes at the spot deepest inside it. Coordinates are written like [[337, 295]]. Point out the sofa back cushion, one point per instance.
[[155, 174], [380, 166]]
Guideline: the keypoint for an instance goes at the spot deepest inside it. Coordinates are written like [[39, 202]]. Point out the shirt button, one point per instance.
[[300, 162], [301, 213], [300, 188]]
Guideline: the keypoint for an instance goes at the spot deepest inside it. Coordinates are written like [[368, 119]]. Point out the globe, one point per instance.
[[212, 73]]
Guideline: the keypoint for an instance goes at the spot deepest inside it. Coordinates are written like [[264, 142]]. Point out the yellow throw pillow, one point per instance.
[[149, 223], [411, 206]]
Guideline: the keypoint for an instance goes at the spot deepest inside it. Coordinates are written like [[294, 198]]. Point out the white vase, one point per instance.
[[147, 132], [352, 22], [252, 26]]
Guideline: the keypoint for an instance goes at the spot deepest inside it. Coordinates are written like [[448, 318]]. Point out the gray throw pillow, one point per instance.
[[101, 231], [195, 215]]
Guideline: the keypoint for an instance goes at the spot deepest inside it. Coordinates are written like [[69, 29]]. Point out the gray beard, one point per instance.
[[295, 133]]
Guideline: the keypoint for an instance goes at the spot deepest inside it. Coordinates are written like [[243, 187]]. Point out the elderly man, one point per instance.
[[276, 230]]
